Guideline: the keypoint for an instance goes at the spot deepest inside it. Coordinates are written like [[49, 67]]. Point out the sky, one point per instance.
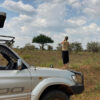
[[77, 19]]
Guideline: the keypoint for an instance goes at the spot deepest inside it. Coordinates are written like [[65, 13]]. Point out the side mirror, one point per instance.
[[19, 64], [2, 19]]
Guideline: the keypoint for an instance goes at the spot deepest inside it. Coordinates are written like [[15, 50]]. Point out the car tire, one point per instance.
[[55, 95]]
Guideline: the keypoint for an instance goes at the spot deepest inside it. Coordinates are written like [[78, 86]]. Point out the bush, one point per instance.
[[93, 47], [50, 47], [59, 47], [28, 46], [75, 47]]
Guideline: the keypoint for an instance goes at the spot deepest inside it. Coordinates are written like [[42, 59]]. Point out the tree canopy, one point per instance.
[[42, 39]]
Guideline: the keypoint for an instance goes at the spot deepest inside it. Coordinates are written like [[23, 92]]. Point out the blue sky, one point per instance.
[[79, 19]]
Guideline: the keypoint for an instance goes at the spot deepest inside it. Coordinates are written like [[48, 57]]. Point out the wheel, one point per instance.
[[55, 95]]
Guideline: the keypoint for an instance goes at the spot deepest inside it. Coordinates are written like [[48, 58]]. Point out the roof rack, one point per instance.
[[8, 40]]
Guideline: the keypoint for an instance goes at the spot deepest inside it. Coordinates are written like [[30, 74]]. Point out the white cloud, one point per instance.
[[48, 17], [92, 8], [18, 7], [54, 13], [92, 28], [74, 3], [76, 21]]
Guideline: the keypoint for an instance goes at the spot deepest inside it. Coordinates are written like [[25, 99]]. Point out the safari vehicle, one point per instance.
[[19, 81]]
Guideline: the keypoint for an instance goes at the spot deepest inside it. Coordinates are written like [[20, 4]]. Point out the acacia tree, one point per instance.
[[42, 40]]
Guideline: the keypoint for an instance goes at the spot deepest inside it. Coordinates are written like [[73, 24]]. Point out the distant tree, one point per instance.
[[71, 46], [17, 47], [42, 40], [93, 47], [50, 47], [29, 46], [75, 46], [59, 47]]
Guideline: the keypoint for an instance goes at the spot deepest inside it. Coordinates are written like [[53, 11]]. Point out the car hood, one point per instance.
[[50, 72]]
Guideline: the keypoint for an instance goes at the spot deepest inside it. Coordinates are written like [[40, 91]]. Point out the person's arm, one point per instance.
[[62, 42]]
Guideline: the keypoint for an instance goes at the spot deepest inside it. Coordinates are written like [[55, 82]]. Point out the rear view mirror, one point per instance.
[[2, 19], [19, 64]]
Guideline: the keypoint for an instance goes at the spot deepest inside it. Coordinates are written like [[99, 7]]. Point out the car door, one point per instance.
[[15, 84]]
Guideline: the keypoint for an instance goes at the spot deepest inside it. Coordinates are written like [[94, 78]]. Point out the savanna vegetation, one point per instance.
[[86, 62]]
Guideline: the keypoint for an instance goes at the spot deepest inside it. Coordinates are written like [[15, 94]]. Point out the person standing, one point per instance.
[[65, 52]]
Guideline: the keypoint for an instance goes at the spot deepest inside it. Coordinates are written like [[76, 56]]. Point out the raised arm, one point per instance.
[[62, 42]]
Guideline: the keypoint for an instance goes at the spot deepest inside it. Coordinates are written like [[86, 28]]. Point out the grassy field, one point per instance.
[[85, 62], [88, 63]]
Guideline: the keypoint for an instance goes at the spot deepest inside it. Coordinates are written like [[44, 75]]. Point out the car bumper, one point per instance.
[[77, 89]]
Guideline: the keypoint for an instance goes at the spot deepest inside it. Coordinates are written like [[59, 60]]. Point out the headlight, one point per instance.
[[74, 78], [77, 78]]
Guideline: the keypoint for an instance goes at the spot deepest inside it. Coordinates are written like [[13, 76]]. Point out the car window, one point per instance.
[[3, 61], [7, 61]]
